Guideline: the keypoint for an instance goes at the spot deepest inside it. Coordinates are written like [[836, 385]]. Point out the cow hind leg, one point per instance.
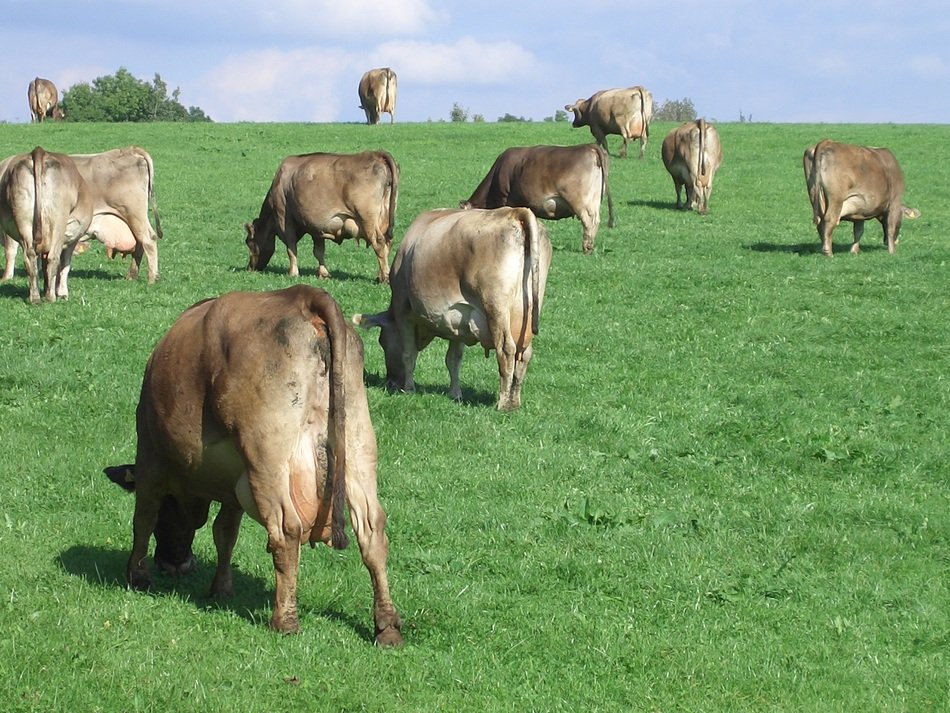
[[369, 523], [505, 351], [858, 232], [320, 254], [892, 225], [520, 371]]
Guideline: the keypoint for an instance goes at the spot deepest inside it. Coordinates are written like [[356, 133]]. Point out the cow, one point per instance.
[[44, 100], [121, 184], [256, 401], [553, 181], [377, 91], [626, 112], [328, 196], [692, 154], [46, 206], [471, 277], [855, 183]]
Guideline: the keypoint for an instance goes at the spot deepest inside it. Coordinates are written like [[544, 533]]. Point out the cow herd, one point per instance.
[[257, 400]]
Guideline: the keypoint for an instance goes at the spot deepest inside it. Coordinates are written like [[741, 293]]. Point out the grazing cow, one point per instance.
[[46, 206], [121, 183], [692, 154], [256, 400], [329, 196], [856, 183], [626, 112], [471, 277], [377, 92], [44, 100], [553, 181]]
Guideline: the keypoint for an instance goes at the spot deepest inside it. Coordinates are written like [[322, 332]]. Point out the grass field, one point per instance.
[[727, 488]]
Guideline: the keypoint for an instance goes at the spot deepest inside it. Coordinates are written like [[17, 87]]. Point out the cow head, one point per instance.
[[391, 340], [57, 113], [174, 531], [260, 244], [581, 109]]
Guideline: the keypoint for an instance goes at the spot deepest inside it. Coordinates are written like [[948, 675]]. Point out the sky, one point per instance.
[[301, 60]]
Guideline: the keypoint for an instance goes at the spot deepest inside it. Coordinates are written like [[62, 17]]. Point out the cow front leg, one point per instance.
[[144, 520], [290, 242], [225, 529], [453, 362]]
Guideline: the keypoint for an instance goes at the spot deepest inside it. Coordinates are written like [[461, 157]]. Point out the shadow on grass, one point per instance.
[[105, 568], [656, 205], [470, 397], [310, 275], [809, 248]]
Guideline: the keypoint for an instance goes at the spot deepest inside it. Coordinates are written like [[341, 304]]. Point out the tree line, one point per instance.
[[122, 97]]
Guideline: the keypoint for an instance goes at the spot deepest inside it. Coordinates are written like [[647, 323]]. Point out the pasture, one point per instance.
[[727, 489]]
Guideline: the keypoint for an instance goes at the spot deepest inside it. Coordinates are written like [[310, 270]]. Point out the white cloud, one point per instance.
[[928, 66], [341, 18], [466, 61]]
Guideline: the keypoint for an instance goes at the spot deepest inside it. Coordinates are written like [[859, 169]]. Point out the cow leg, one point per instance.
[[623, 147], [381, 247], [369, 523], [858, 232], [826, 226], [590, 221], [505, 351], [520, 370], [144, 520], [643, 143], [290, 239], [225, 529], [892, 225], [9, 251], [145, 243], [453, 362], [51, 275], [678, 185], [320, 252]]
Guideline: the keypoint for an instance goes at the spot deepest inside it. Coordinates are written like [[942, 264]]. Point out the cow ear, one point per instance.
[[366, 321], [121, 475]]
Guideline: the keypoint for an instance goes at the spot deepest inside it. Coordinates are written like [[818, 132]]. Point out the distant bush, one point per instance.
[[122, 97], [675, 110], [511, 117], [459, 114]]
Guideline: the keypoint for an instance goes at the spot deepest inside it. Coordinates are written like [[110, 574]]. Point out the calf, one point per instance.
[[470, 277], [256, 400]]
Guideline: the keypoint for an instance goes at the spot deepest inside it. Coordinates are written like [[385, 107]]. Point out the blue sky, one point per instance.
[[301, 60]]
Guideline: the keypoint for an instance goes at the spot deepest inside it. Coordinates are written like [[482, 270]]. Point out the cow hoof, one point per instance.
[[389, 638], [287, 624], [139, 581]]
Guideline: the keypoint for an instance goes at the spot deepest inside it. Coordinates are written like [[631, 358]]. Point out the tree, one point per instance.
[[459, 114], [122, 97], [675, 110], [511, 117]]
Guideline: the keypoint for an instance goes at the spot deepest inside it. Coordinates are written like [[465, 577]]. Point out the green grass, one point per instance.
[[727, 488]]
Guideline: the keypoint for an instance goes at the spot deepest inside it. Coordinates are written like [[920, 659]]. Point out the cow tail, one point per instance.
[[702, 146], [39, 237], [34, 102], [604, 160], [643, 112], [532, 245], [393, 193], [151, 193], [329, 311], [816, 190]]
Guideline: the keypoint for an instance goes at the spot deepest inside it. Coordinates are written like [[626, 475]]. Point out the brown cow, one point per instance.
[[553, 181], [256, 400], [470, 277], [46, 206], [329, 196], [44, 100], [627, 112], [377, 93], [121, 183], [856, 183], [692, 154]]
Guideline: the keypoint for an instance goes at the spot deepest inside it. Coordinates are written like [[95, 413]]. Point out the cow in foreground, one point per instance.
[[45, 206], [470, 277], [627, 112], [855, 183], [553, 181], [44, 100], [692, 154], [256, 400], [377, 91], [121, 186], [330, 197]]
